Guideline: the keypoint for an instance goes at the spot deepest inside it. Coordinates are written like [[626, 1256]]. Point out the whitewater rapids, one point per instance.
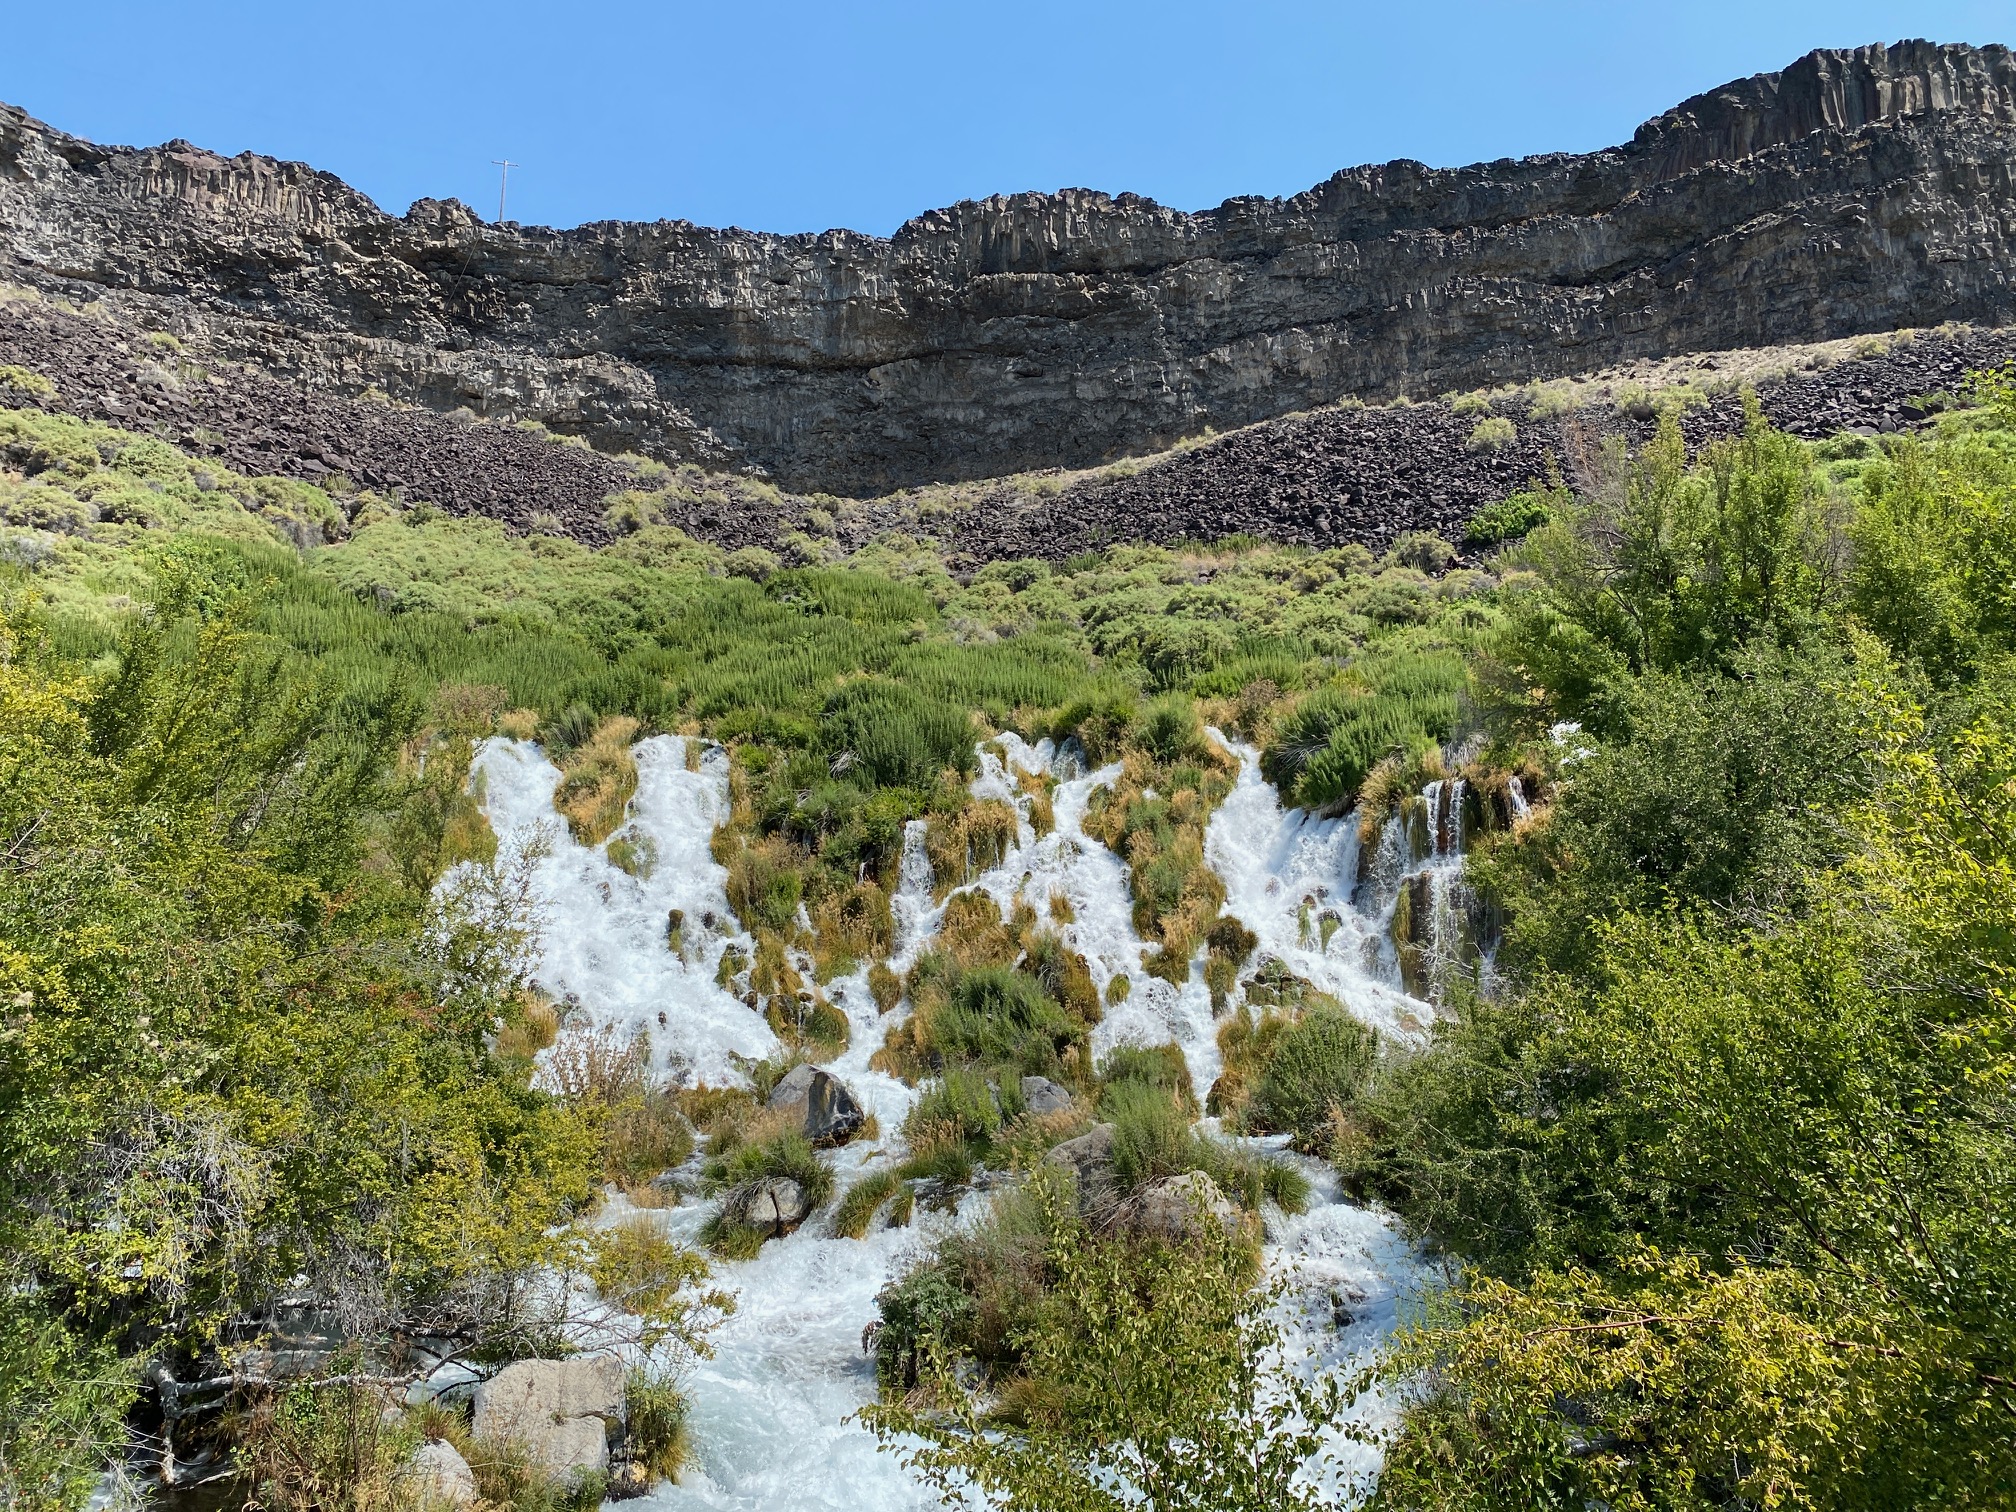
[[771, 1412]]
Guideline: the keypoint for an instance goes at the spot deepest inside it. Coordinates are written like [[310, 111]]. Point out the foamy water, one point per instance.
[[772, 1409]]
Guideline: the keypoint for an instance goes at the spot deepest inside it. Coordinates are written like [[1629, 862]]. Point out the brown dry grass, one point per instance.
[[1042, 810], [594, 1065], [964, 845], [597, 780], [531, 1028]]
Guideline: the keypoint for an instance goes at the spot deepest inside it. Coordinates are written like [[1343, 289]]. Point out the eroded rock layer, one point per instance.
[[1856, 191]]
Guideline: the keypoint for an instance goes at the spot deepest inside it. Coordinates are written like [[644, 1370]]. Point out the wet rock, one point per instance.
[[1177, 1207], [561, 1410], [628, 1481], [1042, 1095], [437, 1471], [827, 1110], [776, 1204]]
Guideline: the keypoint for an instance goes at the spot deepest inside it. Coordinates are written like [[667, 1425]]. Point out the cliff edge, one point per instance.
[[1856, 191]]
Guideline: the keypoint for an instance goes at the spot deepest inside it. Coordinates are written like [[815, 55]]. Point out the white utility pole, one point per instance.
[[504, 167]]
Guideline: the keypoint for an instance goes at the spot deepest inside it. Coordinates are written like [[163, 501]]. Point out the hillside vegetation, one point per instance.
[[1721, 1161]]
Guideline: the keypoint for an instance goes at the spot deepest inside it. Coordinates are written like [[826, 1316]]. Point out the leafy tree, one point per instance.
[[1714, 791], [220, 997], [1665, 567], [1150, 1377]]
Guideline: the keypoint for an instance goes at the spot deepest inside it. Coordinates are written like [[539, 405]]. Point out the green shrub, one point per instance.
[[1151, 1132], [895, 736], [1317, 1068], [1250, 1179], [1493, 433], [1099, 722], [1159, 1066], [857, 1208], [62, 1408], [732, 1239], [1325, 746], [927, 1308], [961, 1100], [325, 1444], [1422, 550], [789, 1155], [655, 1431], [1171, 730], [998, 1016], [644, 1136], [1511, 517], [20, 382]]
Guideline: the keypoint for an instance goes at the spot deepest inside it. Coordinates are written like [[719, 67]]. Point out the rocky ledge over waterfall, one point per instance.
[[1856, 191]]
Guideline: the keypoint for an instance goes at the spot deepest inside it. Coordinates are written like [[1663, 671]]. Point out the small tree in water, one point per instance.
[[1152, 1378]]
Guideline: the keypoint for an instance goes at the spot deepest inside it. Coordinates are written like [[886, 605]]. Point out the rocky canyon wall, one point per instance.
[[1856, 191]]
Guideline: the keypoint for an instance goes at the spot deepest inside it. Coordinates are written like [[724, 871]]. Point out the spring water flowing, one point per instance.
[[770, 1411]]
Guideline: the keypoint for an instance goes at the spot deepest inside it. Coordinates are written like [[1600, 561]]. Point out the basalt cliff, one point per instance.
[[1857, 191]]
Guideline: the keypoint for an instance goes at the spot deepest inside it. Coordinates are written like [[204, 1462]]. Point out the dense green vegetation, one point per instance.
[[1729, 1168], [1722, 1163], [223, 985]]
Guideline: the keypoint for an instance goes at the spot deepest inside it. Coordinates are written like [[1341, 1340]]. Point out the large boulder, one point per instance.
[[1177, 1208], [821, 1102], [562, 1411], [437, 1471], [776, 1204], [1040, 1095]]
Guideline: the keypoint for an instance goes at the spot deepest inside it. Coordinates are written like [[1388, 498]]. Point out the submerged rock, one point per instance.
[[561, 1410], [1042, 1095], [829, 1112]]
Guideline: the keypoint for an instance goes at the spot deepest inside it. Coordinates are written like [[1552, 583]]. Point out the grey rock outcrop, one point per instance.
[[1178, 1207], [1856, 191], [775, 1204], [1089, 1158], [827, 1111], [1041, 1096], [563, 1411], [437, 1471]]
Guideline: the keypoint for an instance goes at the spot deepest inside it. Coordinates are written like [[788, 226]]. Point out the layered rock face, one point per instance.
[[1856, 191]]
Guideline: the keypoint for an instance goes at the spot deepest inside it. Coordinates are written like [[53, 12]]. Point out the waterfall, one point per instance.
[[604, 944], [770, 1410], [1426, 932], [1292, 879]]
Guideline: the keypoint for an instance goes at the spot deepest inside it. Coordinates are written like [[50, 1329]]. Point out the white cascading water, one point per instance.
[[771, 1410]]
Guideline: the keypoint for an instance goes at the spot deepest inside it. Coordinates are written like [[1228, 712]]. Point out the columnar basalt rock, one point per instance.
[[1856, 191]]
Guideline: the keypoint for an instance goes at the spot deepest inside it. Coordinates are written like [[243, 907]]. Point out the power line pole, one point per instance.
[[504, 167]]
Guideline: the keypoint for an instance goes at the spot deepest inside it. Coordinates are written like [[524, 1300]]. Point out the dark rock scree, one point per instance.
[[1321, 479], [1370, 475]]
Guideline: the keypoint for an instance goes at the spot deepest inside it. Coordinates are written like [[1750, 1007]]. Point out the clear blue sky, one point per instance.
[[797, 115]]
